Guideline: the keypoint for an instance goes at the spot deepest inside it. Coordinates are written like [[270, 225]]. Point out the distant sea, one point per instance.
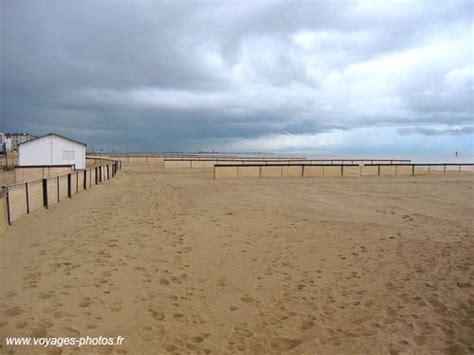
[[446, 158], [414, 158]]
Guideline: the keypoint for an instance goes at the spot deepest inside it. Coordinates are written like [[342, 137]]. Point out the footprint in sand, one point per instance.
[[21, 324], [44, 296], [39, 332], [197, 339], [285, 344], [85, 302], [247, 299], [170, 347], [157, 315], [307, 324], [71, 332], [11, 294], [47, 324], [116, 306], [14, 311]]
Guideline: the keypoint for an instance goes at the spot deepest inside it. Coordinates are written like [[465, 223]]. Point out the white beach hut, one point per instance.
[[52, 150]]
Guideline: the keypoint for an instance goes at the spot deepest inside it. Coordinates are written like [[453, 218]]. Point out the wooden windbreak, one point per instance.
[[20, 199]]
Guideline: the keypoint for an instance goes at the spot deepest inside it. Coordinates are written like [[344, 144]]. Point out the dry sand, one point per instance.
[[177, 262]]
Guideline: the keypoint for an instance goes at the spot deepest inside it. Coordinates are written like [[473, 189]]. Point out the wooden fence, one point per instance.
[[20, 199], [337, 170], [210, 163]]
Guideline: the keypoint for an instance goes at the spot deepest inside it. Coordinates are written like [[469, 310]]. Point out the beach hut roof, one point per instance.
[[53, 134]]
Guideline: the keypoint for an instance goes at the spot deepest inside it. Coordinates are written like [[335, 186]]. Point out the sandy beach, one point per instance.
[[176, 262]]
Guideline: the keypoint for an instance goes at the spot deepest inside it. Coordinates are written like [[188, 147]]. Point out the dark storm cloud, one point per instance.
[[147, 75]]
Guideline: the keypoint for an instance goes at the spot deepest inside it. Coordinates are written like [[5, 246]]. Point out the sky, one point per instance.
[[312, 77]]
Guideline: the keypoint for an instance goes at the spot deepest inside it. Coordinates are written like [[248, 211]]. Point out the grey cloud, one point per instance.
[[165, 75], [436, 132]]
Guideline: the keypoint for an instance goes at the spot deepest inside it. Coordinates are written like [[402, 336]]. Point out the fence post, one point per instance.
[[95, 175], [69, 186], [444, 169], [302, 170], [413, 170], [378, 170], [27, 198], [85, 179], [77, 182], [57, 183], [45, 193], [342, 170], [8, 204]]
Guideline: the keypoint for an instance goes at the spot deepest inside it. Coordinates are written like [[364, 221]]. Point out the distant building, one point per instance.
[[51, 150], [5, 143], [18, 138], [10, 141]]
